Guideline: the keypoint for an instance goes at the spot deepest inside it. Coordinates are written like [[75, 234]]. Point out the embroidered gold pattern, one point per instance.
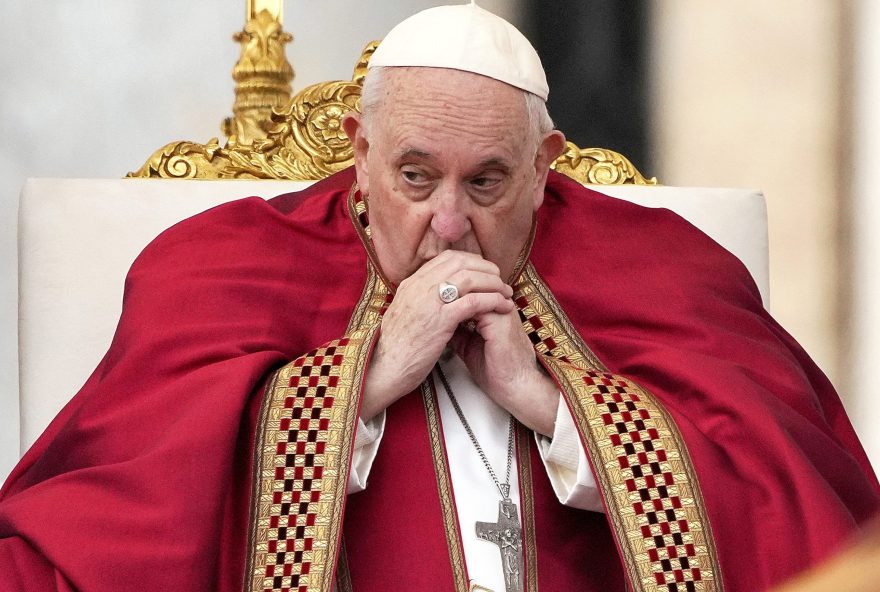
[[444, 486], [540, 314], [644, 470], [358, 212], [527, 502], [538, 305]]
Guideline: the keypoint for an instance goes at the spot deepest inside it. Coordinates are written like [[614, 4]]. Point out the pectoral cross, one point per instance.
[[507, 535]]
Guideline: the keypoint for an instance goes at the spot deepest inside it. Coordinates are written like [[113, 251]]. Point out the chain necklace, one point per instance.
[[506, 533]]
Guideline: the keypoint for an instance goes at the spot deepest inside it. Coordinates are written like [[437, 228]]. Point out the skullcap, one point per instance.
[[464, 37]]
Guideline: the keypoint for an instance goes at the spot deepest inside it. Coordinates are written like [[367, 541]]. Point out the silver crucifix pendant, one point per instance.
[[507, 535]]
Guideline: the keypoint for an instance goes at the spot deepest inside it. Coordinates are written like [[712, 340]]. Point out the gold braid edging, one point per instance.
[[527, 501], [444, 486], [304, 458]]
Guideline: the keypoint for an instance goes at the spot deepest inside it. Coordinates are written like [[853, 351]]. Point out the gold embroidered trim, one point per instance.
[[527, 503], [256, 483], [357, 211], [550, 335], [648, 483], [444, 486], [307, 424], [559, 335], [369, 310], [359, 215]]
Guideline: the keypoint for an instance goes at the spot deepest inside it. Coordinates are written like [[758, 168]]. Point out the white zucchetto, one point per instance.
[[464, 37]]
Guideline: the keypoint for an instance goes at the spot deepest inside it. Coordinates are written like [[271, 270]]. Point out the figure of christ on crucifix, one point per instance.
[[506, 534]]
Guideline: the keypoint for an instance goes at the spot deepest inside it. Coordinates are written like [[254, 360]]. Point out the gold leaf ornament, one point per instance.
[[599, 166]]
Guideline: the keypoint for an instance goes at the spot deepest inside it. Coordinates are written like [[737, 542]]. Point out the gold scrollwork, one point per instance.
[[305, 141], [181, 160], [360, 69], [599, 166]]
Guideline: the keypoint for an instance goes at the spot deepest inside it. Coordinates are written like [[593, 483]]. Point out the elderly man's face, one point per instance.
[[449, 162]]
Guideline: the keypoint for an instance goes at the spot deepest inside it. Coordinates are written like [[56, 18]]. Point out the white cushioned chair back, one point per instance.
[[78, 237]]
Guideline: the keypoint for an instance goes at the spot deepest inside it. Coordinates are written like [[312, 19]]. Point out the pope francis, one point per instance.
[[447, 368]]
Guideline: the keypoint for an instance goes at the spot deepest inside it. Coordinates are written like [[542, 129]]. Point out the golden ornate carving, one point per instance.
[[182, 160], [360, 69], [599, 166], [274, 7], [304, 141], [262, 74]]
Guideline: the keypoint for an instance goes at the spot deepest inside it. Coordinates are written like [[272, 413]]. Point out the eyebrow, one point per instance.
[[494, 161], [415, 153]]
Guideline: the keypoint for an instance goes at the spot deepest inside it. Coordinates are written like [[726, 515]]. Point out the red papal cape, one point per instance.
[[199, 457]]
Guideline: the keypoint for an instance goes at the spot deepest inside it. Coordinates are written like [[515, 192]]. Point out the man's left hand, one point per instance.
[[502, 361]]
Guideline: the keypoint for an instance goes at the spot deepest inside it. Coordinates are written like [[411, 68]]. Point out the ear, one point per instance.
[[549, 150], [353, 125]]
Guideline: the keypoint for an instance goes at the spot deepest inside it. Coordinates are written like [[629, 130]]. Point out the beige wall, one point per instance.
[[747, 94], [862, 351], [783, 96]]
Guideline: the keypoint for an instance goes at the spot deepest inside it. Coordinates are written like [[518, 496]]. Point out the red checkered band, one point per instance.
[[653, 490], [640, 462], [298, 480]]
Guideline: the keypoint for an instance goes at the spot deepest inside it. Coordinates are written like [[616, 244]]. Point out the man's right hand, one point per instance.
[[417, 325]]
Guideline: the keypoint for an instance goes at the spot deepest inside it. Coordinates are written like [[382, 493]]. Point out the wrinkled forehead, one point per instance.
[[447, 94]]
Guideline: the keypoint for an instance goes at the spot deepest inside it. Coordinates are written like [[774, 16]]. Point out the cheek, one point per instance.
[[398, 225], [391, 214], [398, 230], [501, 234]]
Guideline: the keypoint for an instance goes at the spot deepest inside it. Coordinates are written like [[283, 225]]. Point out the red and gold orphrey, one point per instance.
[[304, 446], [650, 489]]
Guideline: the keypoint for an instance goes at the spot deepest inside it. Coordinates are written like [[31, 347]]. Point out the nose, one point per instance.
[[450, 220]]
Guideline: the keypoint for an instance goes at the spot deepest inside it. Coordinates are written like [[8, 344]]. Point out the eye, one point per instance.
[[486, 181], [414, 176]]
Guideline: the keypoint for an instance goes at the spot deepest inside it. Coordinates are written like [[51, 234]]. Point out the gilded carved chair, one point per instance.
[[71, 283]]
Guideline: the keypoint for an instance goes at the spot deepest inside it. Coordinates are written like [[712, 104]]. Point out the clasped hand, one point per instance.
[[418, 326]]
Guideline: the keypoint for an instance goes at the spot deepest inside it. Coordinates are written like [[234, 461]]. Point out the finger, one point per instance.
[[474, 305], [502, 327], [469, 282], [467, 346], [448, 262]]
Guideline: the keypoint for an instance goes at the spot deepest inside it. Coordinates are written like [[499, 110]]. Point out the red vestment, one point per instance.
[[144, 480]]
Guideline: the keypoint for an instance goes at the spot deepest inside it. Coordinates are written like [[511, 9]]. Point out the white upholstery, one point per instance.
[[78, 237]]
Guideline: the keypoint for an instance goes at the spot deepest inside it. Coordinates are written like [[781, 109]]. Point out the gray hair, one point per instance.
[[371, 97]]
